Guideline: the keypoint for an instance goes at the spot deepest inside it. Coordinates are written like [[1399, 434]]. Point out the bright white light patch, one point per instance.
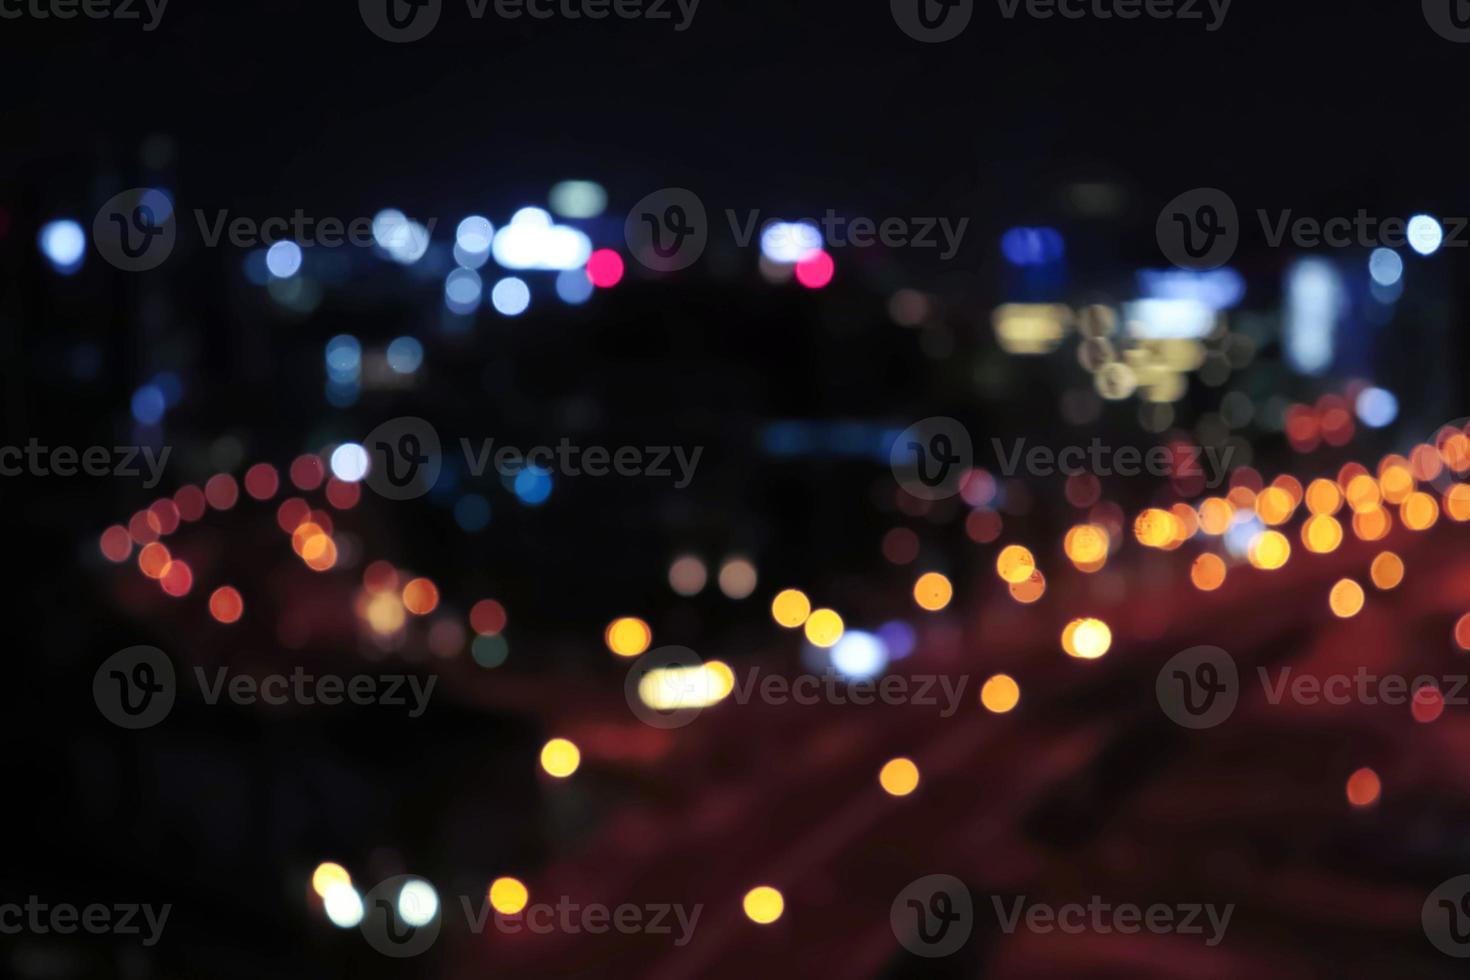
[[533, 241], [1425, 234], [418, 903], [789, 242], [1168, 319], [1315, 300], [349, 462], [859, 655], [343, 906], [63, 242]]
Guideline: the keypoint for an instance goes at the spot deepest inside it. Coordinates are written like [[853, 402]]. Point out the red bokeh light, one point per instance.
[[292, 513], [190, 501], [221, 491], [487, 617], [307, 472], [816, 270], [226, 605], [605, 268], [262, 481], [116, 544], [343, 495]]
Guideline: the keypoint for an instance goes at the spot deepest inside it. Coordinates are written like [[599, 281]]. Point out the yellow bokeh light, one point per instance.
[[1215, 515], [1387, 570], [1454, 450], [1207, 573], [1156, 528], [1000, 694], [1086, 544], [1269, 550], [560, 757], [304, 532], [1372, 524], [1274, 505], [1015, 563], [1186, 523], [933, 591], [1457, 502], [508, 896], [680, 688], [763, 905], [1323, 497], [1321, 534], [899, 777], [319, 552], [385, 613], [628, 636], [1395, 481], [1087, 639], [328, 874], [1362, 493], [823, 628], [1419, 511], [1346, 598], [790, 608]]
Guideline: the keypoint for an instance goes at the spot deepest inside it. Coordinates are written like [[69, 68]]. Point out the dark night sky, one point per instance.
[[1305, 104]]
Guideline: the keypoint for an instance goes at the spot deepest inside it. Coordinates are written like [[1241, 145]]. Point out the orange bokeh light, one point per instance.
[[1364, 787], [420, 596]]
